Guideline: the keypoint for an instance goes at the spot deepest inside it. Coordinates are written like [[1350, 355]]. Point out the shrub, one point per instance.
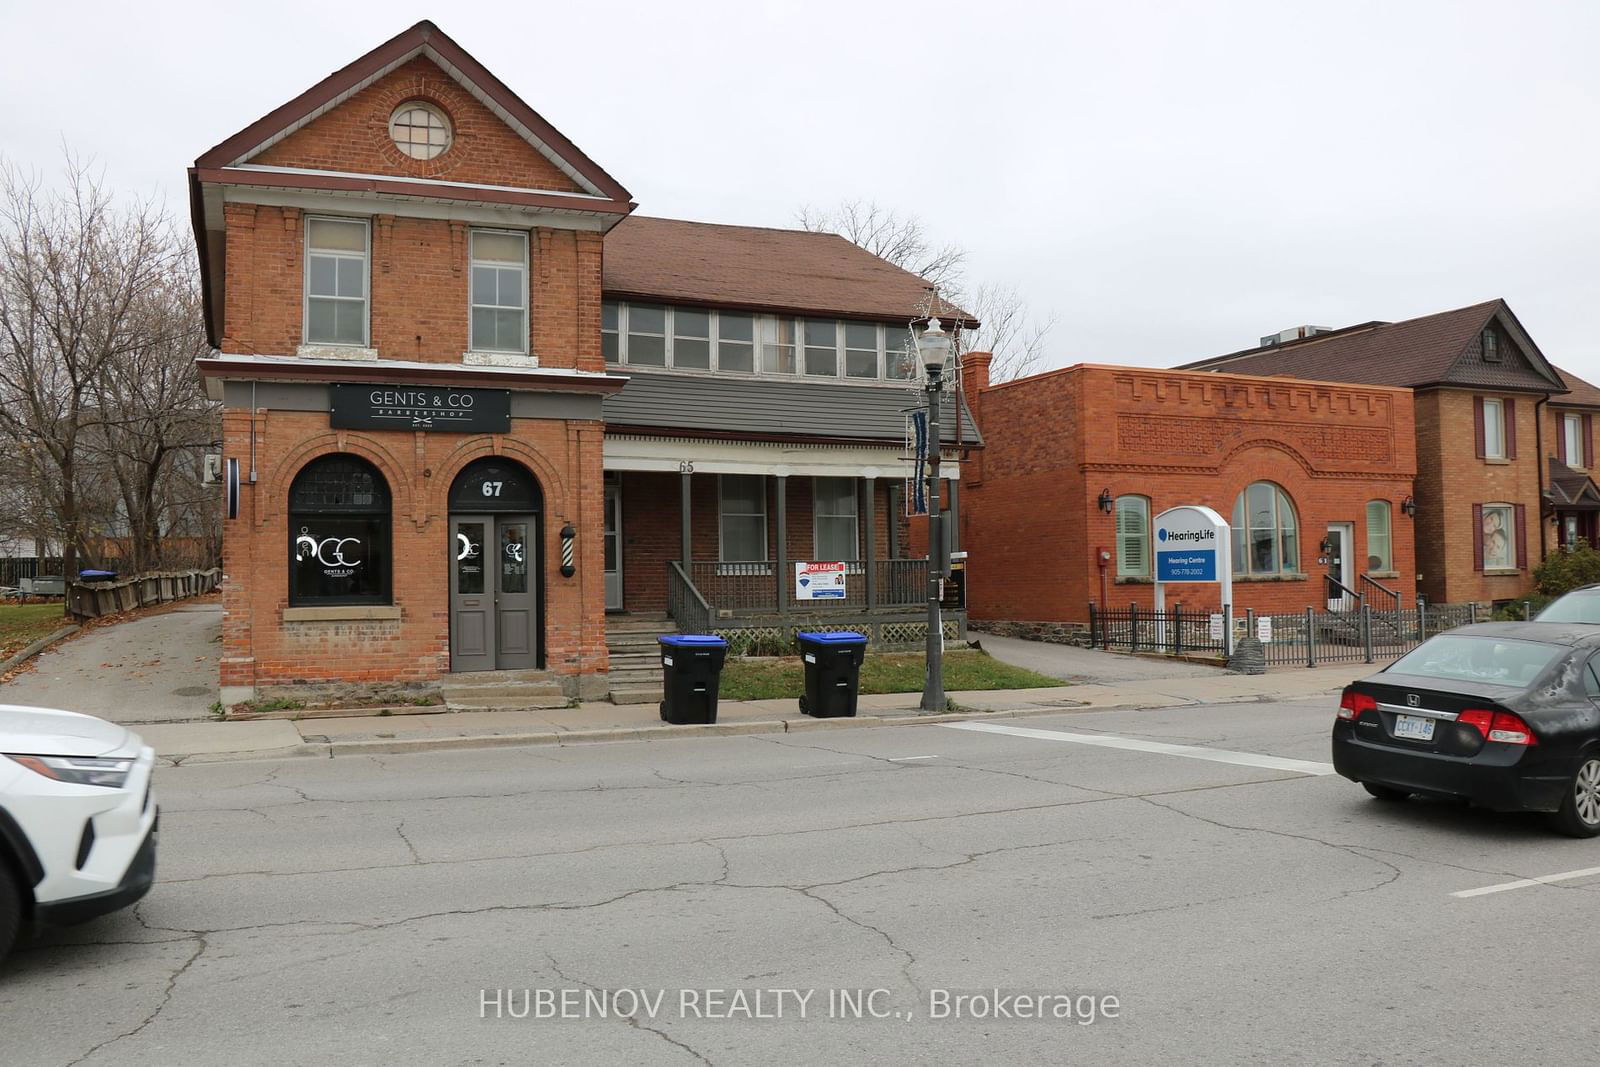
[[1567, 569]]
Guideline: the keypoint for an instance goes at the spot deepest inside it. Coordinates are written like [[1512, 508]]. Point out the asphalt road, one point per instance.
[[356, 910]]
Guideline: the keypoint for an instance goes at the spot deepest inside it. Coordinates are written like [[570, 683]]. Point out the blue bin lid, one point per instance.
[[846, 638], [97, 574], [693, 641]]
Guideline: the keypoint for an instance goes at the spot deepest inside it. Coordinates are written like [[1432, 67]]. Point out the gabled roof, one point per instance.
[[422, 39], [785, 271], [1579, 394], [1572, 489], [1427, 351]]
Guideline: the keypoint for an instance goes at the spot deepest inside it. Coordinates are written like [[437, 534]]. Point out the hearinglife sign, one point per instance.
[[1192, 545]]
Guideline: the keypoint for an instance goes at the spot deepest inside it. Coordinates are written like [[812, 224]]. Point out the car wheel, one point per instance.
[[10, 909], [1385, 792], [1579, 815]]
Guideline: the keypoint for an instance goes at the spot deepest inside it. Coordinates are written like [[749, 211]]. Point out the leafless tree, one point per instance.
[[900, 239], [153, 424], [1007, 327], [78, 277]]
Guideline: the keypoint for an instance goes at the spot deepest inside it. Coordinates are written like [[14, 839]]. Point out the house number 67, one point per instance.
[[492, 488]]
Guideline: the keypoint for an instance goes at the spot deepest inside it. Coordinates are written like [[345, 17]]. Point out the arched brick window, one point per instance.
[[339, 533], [1266, 534]]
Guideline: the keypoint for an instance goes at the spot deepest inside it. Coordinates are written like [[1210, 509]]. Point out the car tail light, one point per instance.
[[1499, 726], [1352, 704]]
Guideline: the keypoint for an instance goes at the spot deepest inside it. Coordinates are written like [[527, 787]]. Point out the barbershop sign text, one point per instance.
[[442, 409]]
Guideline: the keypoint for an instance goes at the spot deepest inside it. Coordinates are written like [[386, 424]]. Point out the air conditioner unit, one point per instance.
[[211, 469]]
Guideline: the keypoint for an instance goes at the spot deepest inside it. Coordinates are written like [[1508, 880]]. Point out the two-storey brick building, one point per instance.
[[1484, 394], [474, 405]]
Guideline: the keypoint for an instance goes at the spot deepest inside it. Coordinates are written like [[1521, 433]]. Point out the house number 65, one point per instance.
[[492, 488]]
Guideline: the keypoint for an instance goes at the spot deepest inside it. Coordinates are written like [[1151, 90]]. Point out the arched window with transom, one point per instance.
[[339, 533], [1266, 534]]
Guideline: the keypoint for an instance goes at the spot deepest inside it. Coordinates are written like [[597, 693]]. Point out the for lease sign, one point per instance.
[[819, 581]]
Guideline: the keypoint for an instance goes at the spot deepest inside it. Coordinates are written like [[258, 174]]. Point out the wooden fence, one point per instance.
[[90, 600]]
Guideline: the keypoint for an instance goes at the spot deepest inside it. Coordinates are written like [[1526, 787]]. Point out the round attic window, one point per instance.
[[419, 130]]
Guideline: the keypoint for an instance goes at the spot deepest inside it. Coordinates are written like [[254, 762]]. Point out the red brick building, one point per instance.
[[474, 406], [1484, 393], [1572, 501], [1313, 476]]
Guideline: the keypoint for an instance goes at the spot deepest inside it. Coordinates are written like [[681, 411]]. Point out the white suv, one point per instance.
[[77, 820]]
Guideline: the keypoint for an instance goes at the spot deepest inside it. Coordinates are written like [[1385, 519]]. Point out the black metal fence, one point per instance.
[[1310, 638]]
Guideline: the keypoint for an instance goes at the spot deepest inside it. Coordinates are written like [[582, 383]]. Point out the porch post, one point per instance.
[[683, 516], [954, 537], [869, 492], [894, 523], [783, 541]]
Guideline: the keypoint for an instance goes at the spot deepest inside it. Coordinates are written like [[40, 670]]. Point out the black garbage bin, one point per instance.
[[691, 669], [833, 673]]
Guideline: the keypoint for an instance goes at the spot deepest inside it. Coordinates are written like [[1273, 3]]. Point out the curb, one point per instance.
[[667, 732], [37, 647]]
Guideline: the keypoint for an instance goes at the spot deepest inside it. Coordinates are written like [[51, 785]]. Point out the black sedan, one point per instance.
[[1505, 715]]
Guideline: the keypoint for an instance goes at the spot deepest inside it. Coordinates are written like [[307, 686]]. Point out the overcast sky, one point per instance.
[[1172, 179]]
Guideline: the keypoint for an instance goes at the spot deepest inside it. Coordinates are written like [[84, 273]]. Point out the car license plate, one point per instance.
[[1413, 728]]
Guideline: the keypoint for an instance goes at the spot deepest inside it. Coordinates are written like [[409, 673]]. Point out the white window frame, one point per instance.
[[1116, 511], [817, 516], [722, 512], [759, 324], [1572, 435], [710, 340], [622, 314], [1243, 533], [625, 327], [1494, 445], [1510, 528], [305, 280], [527, 287]]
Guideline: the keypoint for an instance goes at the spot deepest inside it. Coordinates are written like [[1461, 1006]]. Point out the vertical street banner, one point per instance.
[[917, 442]]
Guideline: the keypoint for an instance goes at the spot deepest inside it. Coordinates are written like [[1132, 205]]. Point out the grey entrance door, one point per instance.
[[472, 643], [494, 614]]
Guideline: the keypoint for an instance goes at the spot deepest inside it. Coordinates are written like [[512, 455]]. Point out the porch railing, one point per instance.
[[685, 603], [759, 588]]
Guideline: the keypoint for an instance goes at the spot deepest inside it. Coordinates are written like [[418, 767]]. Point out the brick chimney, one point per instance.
[[975, 379]]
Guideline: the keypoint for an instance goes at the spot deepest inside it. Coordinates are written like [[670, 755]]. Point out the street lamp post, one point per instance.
[[934, 348]]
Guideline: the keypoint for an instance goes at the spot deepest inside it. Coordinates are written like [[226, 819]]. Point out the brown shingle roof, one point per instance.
[[789, 271], [1415, 352], [1579, 392]]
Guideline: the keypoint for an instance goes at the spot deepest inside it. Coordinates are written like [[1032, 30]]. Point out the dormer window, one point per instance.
[[419, 130]]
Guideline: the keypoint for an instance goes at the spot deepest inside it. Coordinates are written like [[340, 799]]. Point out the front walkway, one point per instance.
[[157, 668]]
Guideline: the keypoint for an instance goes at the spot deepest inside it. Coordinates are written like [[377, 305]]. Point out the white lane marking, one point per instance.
[[1215, 755], [907, 759], [1524, 883]]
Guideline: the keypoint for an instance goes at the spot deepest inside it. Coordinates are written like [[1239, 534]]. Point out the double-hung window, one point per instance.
[[647, 335], [899, 353], [1572, 441], [499, 291], [610, 324], [1499, 549], [736, 342], [777, 345], [1494, 429], [822, 348], [336, 281], [860, 350], [743, 518], [1380, 551], [691, 338], [836, 519]]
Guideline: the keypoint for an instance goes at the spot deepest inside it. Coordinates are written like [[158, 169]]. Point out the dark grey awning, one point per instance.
[[799, 407]]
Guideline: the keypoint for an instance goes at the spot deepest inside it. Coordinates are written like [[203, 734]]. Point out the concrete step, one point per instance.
[[635, 659], [636, 696], [483, 679], [544, 696], [627, 679], [496, 703]]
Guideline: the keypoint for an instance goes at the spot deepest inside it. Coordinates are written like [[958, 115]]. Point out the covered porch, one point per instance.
[[713, 540]]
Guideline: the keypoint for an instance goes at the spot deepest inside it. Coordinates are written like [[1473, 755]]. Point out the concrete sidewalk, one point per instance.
[[588, 723]]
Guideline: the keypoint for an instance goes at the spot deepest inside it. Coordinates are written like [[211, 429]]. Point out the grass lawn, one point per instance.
[[23, 624], [882, 672]]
